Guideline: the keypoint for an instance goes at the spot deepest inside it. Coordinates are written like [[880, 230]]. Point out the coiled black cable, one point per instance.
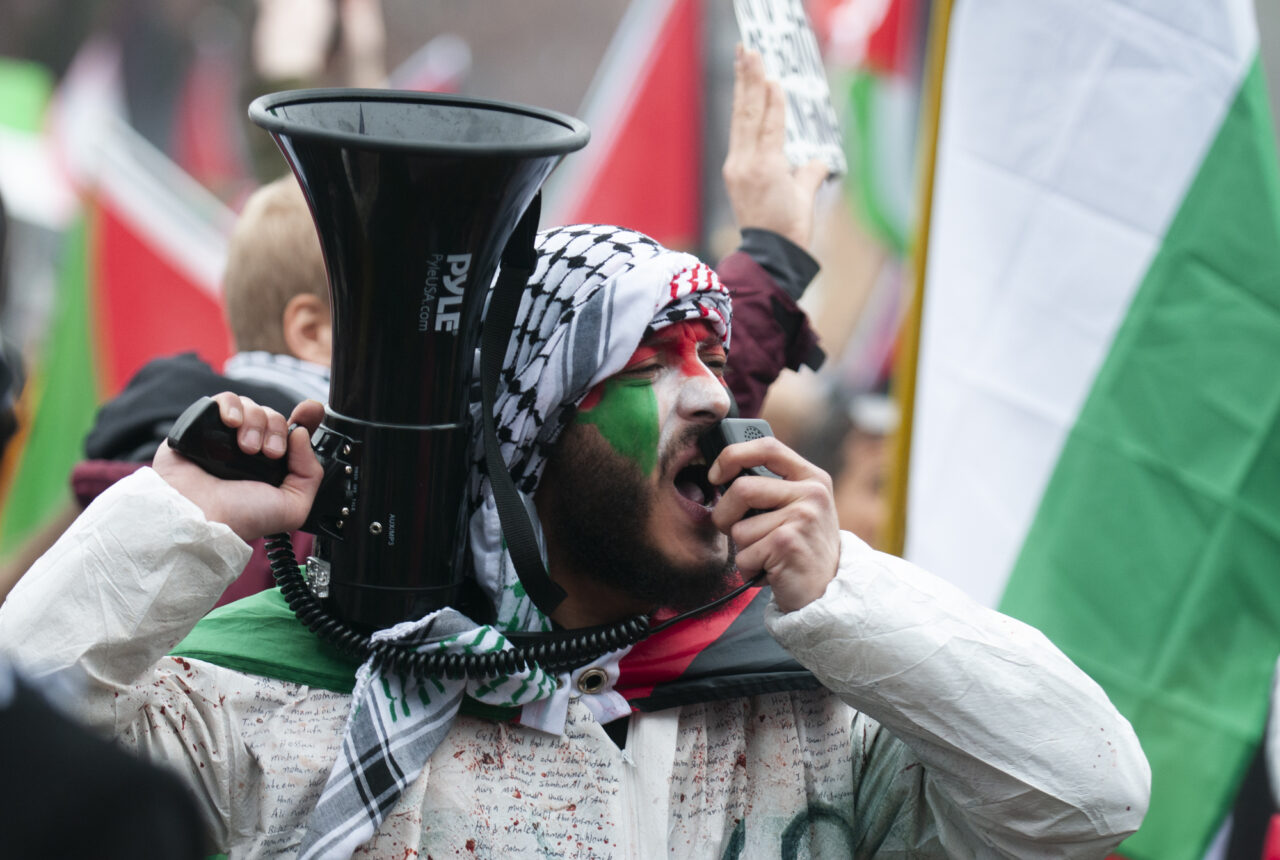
[[555, 651]]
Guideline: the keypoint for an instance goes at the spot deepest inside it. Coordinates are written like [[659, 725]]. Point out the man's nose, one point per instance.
[[703, 397]]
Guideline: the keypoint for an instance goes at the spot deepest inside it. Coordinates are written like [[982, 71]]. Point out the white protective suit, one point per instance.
[[949, 730]]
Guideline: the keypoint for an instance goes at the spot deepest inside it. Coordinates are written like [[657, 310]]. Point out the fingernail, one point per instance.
[[235, 414], [275, 444], [252, 438]]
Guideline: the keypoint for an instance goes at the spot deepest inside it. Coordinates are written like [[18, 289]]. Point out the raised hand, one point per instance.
[[764, 190]]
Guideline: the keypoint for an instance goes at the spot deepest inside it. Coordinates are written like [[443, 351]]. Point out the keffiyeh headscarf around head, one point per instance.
[[596, 292]]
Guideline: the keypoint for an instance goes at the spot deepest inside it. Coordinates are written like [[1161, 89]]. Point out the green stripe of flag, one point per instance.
[[25, 88], [1154, 557], [884, 215], [66, 389]]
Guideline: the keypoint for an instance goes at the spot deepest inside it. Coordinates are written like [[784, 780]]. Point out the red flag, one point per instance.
[[642, 167], [156, 252], [156, 238]]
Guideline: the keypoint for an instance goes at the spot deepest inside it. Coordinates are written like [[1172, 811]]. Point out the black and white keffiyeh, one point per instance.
[[302, 379], [596, 292], [396, 722]]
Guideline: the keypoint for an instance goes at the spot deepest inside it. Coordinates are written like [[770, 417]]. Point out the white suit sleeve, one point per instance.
[[128, 579], [1024, 755]]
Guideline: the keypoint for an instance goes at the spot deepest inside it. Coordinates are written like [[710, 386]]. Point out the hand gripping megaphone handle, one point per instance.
[[200, 436]]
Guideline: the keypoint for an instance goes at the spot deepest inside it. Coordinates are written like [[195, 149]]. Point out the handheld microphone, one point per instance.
[[730, 431]]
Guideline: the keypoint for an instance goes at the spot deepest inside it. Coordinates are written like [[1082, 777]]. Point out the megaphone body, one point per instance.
[[414, 196]]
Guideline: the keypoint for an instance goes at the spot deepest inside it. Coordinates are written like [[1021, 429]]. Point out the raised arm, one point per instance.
[[773, 206]]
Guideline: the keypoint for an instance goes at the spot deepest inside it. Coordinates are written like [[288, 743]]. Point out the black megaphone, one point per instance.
[[414, 196]]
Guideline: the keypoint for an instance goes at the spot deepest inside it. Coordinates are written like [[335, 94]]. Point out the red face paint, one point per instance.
[[691, 346]]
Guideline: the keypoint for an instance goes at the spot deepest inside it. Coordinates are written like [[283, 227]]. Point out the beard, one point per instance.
[[599, 518]]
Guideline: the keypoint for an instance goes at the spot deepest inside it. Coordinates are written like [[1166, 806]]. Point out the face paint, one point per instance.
[[638, 530], [625, 411], [690, 347], [624, 407]]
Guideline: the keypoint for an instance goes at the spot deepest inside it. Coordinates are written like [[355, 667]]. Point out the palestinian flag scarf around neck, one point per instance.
[[725, 654]]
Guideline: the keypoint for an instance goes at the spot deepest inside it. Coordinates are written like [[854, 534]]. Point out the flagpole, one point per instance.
[[904, 377]]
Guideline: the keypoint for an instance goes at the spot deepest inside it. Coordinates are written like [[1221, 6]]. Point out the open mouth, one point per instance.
[[691, 482]]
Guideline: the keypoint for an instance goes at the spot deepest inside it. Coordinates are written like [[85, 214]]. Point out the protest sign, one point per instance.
[[779, 31]]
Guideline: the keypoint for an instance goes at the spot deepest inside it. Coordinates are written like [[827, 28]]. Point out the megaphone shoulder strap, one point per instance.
[[519, 259]]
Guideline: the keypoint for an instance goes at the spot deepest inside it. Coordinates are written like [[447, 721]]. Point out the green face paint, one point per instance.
[[626, 414]]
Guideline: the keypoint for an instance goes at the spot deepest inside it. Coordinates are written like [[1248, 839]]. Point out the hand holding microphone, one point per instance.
[[787, 527]]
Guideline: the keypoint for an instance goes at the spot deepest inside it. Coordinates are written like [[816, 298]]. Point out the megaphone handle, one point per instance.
[[200, 436]]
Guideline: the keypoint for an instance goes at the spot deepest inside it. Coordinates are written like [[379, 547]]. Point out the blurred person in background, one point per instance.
[[309, 43], [848, 437], [276, 304], [319, 43], [182, 72], [861, 503]]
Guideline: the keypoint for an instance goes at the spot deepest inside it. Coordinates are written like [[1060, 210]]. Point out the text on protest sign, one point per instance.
[[779, 31]]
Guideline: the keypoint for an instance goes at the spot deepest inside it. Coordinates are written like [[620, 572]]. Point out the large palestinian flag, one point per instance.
[[1096, 443]]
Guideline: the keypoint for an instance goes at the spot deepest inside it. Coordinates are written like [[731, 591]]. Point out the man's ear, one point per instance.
[[308, 328]]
